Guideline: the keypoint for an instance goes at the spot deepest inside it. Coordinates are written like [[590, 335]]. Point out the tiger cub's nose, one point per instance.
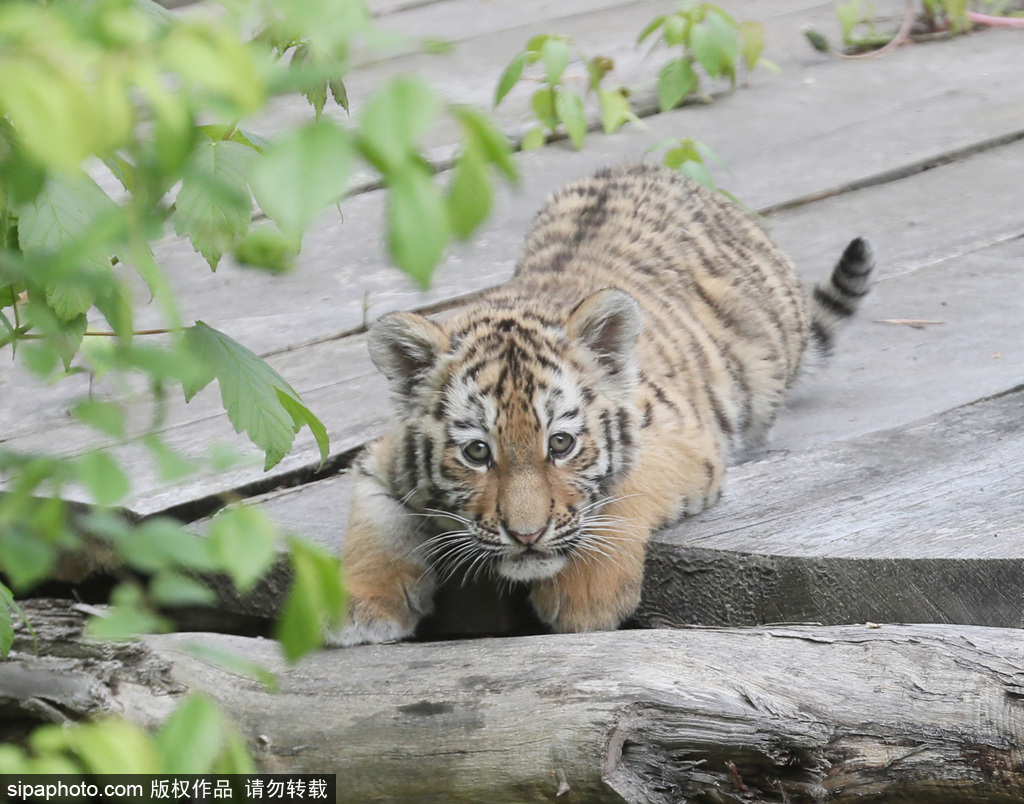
[[526, 539]]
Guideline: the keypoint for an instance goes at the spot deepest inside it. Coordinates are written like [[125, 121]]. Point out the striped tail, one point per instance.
[[837, 298]]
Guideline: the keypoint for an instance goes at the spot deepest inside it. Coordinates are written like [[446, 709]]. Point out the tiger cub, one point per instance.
[[545, 430]]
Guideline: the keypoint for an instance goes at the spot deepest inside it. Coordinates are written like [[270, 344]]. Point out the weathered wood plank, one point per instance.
[[923, 713], [919, 524], [937, 261], [330, 289], [800, 133]]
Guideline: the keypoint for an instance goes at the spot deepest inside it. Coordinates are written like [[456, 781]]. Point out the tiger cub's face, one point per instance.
[[514, 429]]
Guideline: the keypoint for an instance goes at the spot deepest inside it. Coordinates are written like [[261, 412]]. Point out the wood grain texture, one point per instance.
[[918, 524], [926, 714]]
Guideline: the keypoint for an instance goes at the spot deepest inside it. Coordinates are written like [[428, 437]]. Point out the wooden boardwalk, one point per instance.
[[893, 488]]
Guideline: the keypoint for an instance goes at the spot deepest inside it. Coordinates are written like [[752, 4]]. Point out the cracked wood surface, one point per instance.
[[925, 713]]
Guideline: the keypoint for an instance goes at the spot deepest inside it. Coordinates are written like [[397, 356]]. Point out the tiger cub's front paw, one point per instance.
[[573, 607], [370, 622]]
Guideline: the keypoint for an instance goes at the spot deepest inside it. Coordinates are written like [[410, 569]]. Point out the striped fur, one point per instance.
[[543, 432]]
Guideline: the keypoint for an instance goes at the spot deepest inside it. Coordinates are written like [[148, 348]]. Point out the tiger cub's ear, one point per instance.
[[608, 323], [404, 346]]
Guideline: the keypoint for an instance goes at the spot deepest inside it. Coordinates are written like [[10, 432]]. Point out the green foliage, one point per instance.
[[161, 101], [314, 601], [857, 21], [708, 38], [257, 399], [554, 104], [690, 157], [8, 610], [196, 738]]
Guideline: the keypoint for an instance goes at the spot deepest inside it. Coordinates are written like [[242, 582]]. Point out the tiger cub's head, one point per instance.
[[513, 425]]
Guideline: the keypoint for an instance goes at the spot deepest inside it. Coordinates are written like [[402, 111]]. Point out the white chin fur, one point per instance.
[[533, 568]]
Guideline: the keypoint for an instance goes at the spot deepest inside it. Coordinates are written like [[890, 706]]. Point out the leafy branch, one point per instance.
[[709, 38], [554, 104]]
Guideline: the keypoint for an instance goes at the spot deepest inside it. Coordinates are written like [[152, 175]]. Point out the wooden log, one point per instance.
[[922, 713]]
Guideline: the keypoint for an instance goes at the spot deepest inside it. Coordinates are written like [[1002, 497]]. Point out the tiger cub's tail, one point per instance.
[[836, 299]]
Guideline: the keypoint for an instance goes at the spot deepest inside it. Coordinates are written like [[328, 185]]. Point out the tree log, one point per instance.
[[915, 713]]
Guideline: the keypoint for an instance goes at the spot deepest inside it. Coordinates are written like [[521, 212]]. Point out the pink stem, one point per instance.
[[995, 22]]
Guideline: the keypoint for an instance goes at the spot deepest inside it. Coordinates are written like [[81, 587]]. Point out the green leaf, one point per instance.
[[752, 38], [597, 68], [301, 174], [699, 173], [677, 30], [301, 415], [103, 416], [102, 476], [49, 108], [615, 109], [174, 589], [543, 104], [315, 601], [6, 631], [684, 151], [725, 35], [707, 50], [213, 61], [470, 196], [67, 340], [675, 81], [569, 108], [316, 89], [534, 138], [650, 28], [170, 464], [510, 77], [555, 55], [116, 307], [535, 45], [267, 248], [850, 15], [248, 388], [418, 229], [393, 120], [243, 541], [339, 92], [26, 559], [112, 746], [213, 206], [64, 228], [190, 740], [162, 543], [8, 609], [479, 131], [128, 617]]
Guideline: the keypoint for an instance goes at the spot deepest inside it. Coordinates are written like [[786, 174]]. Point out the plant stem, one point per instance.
[[995, 22]]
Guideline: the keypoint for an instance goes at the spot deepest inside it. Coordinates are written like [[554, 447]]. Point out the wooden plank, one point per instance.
[[917, 524], [331, 295], [800, 133], [880, 376], [900, 713]]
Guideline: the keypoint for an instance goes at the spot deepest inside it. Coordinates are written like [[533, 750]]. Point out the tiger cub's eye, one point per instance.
[[561, 444], [477, 452]]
